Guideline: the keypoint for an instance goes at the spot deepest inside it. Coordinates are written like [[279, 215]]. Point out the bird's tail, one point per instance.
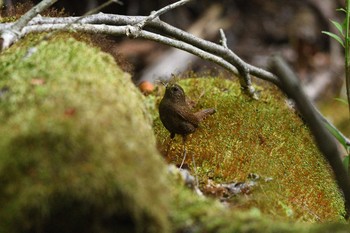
[[202, 114]]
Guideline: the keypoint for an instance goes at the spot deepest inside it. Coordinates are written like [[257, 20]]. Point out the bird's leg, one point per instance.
[[193, 162], [184, 151], [195, 171], [172, 135]]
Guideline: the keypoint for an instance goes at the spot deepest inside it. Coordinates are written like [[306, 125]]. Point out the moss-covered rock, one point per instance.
[[263, 137], [77, 151], [191, 213]]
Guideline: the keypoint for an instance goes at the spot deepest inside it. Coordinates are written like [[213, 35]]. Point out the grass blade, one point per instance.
[[343, 101], [338, 26], [334, 36], [337, 135], [346, 162], [341, 10]]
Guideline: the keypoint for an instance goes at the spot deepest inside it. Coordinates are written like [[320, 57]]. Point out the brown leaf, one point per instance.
[[69, 111], [37, 81]]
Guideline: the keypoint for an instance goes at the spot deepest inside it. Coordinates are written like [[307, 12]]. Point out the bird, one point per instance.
[[177, 117]]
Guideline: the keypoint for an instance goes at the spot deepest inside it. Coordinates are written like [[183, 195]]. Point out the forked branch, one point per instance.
[[151, 28], [13, 33]]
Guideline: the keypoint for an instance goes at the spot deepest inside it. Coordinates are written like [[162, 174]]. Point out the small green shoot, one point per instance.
[[342, 140], [336, 37], [341, 27], [343, 38], [346, 162], [343, 101]]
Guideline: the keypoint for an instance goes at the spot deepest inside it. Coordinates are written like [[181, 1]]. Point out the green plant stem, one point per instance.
[[347, 54]]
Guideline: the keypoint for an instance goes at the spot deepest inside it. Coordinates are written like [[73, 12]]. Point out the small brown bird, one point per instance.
[[176, 114]]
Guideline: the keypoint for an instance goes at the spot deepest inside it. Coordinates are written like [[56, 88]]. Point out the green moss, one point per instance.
[[77, 151], [264, 137], [191, 213]]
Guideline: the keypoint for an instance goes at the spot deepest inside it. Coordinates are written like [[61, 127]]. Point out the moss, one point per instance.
[[191, 213], [264, 137], [77, 151]]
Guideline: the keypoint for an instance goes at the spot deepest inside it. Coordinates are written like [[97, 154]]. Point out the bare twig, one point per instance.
[[32, 49], [120, 30], [205, 27], [13, 33], [229, 55], [215, 51], [92, 11], [133, 30], [171, 32], [156, 14], [100, 7], [223, 38]]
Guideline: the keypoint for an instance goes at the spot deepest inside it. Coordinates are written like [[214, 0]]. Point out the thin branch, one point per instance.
[[92, 11], [121, 30], [12, 34], [156, 14], [32, 49], [223, 38], [100, 7], [168, 31], [37, 9]]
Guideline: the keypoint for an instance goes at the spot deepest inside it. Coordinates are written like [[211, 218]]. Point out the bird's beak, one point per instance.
[[161, 82]]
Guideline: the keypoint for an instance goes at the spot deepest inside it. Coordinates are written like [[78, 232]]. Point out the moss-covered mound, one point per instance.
[[263, 137], [77, 151]]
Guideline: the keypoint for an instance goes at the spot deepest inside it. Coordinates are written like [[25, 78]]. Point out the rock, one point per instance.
[[77, 151], [264, 137]]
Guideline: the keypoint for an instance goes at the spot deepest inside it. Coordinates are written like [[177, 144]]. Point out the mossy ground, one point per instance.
[[264, 137], [77, 151], [69, 157]]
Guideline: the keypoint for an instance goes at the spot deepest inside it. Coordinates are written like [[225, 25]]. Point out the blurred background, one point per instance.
[[255, 30]]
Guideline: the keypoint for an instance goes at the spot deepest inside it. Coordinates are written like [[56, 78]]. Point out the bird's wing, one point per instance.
[[188, 116]]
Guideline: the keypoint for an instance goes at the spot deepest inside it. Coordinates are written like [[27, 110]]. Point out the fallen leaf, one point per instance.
[[37, 81]]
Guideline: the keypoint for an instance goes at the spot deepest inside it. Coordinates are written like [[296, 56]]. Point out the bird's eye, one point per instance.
[[175, 89]]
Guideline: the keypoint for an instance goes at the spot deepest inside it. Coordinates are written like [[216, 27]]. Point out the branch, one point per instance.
[[97, 9], [242, 69], [172, 32], [325, 141], [156, 14], [121, 30], [223, 38], [204, 27], [12, 34]]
